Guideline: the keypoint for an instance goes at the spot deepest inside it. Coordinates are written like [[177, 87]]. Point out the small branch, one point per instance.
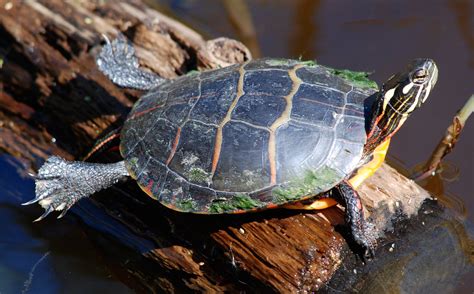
[[447, 143]]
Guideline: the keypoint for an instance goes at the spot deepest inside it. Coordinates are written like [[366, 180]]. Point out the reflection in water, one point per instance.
[[466, 242], [430, 254], [303, 42], [241, 18], [435, 184], [464, 11], [51, 257]]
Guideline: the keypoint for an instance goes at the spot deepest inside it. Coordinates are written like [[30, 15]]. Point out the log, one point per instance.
[[53, 100]]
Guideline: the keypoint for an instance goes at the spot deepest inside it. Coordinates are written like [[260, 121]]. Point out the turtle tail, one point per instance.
[[61, 183]]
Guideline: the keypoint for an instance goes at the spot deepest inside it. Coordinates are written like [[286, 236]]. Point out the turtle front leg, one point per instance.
[[362, 231], [61, 183], [118, 62]]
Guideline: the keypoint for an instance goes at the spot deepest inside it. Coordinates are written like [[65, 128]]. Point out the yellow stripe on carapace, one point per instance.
[[369, 168], [284, 118], [218, 142]]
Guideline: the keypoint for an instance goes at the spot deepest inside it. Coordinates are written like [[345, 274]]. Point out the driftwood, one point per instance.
[[53, 100]]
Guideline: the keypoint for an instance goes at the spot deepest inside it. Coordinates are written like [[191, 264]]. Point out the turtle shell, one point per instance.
[[245, 137]]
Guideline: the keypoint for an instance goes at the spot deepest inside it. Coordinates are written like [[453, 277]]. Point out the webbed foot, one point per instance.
[[365, 237], [118, 62], [61, 183]]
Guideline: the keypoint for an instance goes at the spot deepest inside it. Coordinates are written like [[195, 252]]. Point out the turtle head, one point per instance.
[[399, 97], [409, 89]]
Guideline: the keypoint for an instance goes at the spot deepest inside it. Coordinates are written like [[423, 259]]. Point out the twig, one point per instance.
[[447, 143]]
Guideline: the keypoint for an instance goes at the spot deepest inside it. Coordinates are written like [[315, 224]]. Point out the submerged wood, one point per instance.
[[53, 100]]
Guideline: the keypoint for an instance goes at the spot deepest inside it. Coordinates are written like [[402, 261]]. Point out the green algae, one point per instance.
[[313, 182], [309, 62], [186, 205], [238, 202], [198, 175], [355, 78], [289, 62]]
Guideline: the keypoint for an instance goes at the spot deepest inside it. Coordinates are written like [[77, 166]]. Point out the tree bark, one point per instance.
[[53, 100]]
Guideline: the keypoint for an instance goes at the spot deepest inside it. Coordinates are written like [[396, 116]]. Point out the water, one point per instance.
[[379, 36], [46, 257]]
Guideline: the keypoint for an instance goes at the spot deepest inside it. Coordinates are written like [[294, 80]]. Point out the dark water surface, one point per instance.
[[48, 257], [379, 36]]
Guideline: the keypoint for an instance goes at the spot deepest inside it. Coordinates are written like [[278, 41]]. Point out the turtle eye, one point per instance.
[[420, 76]]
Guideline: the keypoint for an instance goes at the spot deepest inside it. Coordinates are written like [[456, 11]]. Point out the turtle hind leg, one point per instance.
[[61, 183], [118, 62], [363, 232]]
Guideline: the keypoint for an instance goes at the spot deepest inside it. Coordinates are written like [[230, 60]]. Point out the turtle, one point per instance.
[[262, 134]]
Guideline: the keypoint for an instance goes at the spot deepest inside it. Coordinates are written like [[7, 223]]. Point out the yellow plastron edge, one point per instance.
[[369, 169], [362, 174]]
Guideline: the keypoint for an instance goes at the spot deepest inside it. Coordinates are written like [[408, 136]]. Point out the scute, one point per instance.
[[244, 165], [206, 142], [295, 159], [192, 157]]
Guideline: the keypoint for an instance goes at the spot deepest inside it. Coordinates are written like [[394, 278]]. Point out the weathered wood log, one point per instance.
[[53, 100]]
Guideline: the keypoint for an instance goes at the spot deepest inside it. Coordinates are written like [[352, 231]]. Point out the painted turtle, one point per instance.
[[257, 135]]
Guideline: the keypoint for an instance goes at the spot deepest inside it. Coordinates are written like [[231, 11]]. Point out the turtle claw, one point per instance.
[[369, 253], [31, 201], [63, 213], [367, 239], [53, 191], [61, 183], [48, 211], [107, 40]]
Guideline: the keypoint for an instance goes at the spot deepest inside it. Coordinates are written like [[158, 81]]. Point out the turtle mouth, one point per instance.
[[434, 77], [432, 70]]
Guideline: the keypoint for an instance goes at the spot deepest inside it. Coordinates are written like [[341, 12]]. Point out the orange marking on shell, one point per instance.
[[240, 211], [272, 206], [138, 114], [149, 186], [217, 150], [219, 135], [284, 118], [175, 145]]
